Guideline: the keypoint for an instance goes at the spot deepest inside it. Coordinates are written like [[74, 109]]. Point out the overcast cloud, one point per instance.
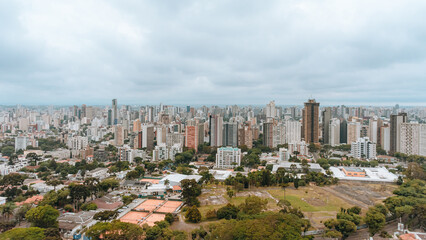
[[213, 52]]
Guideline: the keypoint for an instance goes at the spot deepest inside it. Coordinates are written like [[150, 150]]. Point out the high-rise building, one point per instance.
[[268, 134], [270, 110], [385, 138], [137, 126], [334, 132], [216, 130], [228, 157], [413, 139], [311, 121], [21, 143], [343, 131], [293, 131], [147, 137], [326, 117], [191, 137], [354, 132], [118, 135], [373, 125], [395, 131], [230, 134], [363, 148], [110, 117], [114, 112]]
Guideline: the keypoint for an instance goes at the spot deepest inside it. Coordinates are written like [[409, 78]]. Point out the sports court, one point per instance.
[[149, 205], [155, 217], [133, 217], [169, 207]]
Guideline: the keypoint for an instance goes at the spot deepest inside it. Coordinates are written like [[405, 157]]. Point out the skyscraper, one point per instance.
[[268, 134], [326, 117], [215, 131], [311, 121], [114, 112], [230, 134], [395, 131]]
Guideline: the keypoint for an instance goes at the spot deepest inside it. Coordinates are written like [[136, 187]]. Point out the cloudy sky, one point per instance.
[[213, 52]]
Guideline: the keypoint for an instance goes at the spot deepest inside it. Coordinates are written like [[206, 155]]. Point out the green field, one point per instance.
[[310, 200]]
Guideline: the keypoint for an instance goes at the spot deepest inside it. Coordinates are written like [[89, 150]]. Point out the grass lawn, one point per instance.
[[310, 199]]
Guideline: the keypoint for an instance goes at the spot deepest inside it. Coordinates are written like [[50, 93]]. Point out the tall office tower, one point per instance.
[[270, 110], [372, 131], [363, 148], [395, 131], [118, 135], [114, 112], [83, 111], [334, 132], [147, 137], [354, 132], [413, 139], [385, 138], [343, 131], [110, 117], [311, 121], [215, 131], [137, 126], [150, 115], [293, 131], [230, 134], [293, 112], [326, 117], [268, 134]]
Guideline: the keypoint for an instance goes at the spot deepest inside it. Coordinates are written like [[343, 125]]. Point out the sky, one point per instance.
[[360, 52]]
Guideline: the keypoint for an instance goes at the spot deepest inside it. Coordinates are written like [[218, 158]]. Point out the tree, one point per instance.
[[227, 212], [169, 218], [190, 191], [7, 209], [343, 226], [89, 206], [43, 216], [7, 151], [375, 220], [115, 230], [78, 192], [32, 233], [54, 183], [193, 215], [253, 205], [415, 171], [20, 213], [230, 192], [105, 215]]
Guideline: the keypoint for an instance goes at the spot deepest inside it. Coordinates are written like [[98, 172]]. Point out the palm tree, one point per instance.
[[7, 210]]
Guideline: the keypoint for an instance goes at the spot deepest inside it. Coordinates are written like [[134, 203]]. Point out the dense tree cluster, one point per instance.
[[344, 224], [409, 203]]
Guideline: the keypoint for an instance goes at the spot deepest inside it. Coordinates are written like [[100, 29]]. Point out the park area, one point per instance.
[[317, 203]]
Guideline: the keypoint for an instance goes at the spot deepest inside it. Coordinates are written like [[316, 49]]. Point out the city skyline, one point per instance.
[[352, 53]]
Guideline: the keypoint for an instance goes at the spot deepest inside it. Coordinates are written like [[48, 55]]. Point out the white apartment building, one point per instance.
[[293, 131], [412, 139], [21, 143], [228, 157], [300, 147], [334, 132], [385, 138], [284, 155], [363, 148]]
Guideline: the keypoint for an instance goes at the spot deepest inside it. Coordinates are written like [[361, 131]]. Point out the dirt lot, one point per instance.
[[318, 203]]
